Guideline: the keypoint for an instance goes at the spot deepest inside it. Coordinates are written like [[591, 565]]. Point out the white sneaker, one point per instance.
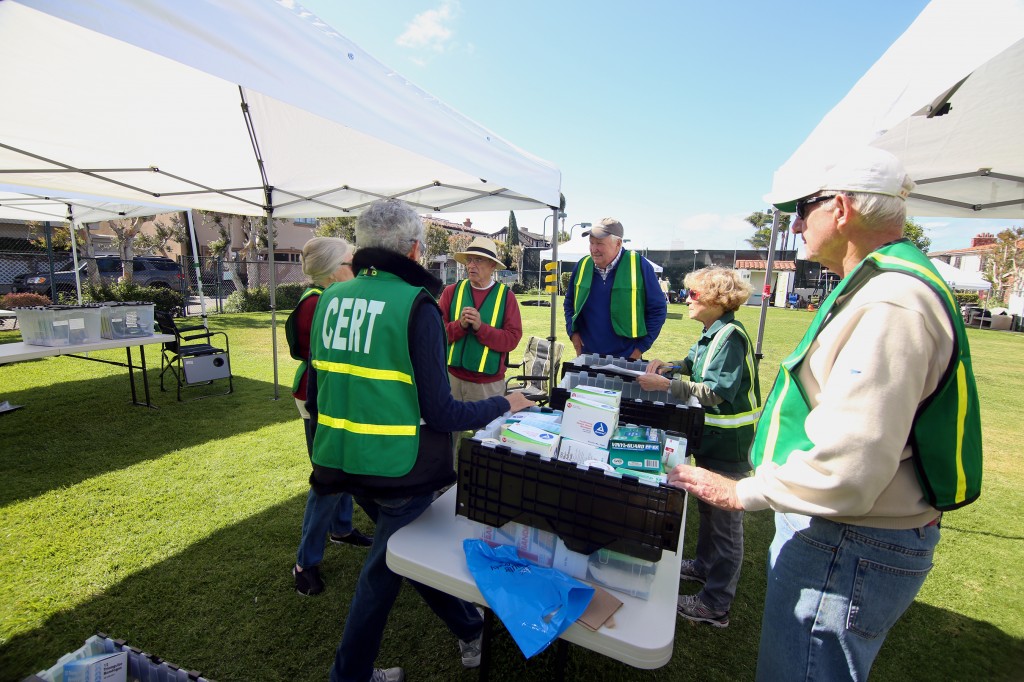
[[387, 675], [471, 652]]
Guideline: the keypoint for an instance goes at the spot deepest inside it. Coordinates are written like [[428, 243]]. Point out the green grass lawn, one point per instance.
[[176, 528]]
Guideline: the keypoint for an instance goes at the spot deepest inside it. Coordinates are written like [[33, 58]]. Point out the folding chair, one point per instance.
[[193, 364], [538, 359]]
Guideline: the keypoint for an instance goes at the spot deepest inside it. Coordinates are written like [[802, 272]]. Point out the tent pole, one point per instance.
[[766, 292], [74, 253], [195, 262], [273, 284], [554, 297]]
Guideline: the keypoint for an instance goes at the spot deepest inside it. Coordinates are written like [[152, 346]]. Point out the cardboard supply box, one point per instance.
[[636, 447], [608, 569], [574, 451], [589, 422], [674, 452], [531, 543], [530, 439], [102, 668], [605, 396]]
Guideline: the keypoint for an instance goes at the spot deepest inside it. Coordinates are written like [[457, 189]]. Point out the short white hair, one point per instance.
[[321, 256], [389, 224]]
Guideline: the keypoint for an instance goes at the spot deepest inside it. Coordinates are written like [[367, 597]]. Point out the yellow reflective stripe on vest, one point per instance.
[[961, 418], [774, 419], [456, 311], [498, 300], [633, 268], [733, 421], [921, 270], [368, 429], [365, 372]]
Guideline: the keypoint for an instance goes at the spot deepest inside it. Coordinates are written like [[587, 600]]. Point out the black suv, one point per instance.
[[147, 271]]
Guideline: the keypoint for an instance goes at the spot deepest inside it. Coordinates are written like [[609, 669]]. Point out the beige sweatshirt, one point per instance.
[[865, 375]]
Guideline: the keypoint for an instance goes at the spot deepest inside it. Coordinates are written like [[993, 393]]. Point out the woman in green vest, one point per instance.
[[723, 378], [325, 260]]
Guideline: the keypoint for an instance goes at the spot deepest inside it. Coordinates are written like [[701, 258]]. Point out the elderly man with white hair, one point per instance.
[[871, 431]]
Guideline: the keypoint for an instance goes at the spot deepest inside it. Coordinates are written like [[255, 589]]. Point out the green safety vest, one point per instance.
[[629, 299], [946, 434], [729, 426], [291, 334], [369, 414], [468, 352]]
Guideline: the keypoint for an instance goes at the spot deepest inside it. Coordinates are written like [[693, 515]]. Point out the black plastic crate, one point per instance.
[[586, 508], [588, 361], [646, 408]]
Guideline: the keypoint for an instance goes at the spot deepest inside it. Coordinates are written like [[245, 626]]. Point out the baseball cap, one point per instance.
[[865, 169], [607, 226]]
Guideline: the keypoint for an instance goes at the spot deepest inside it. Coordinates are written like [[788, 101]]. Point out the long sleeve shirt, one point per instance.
[[503, 339]]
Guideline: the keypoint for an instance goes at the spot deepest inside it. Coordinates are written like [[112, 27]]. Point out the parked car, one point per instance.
[[147, 271]]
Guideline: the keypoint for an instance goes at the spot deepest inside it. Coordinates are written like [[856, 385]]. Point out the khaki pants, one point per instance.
[[469, 392]]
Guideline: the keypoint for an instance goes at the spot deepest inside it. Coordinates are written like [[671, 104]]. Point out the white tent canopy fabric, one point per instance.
[[155, 94], [958, 279], [577, 248], [251, 107], [946, 98]]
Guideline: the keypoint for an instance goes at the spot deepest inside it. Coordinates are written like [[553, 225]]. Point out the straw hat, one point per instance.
[[481, 247]]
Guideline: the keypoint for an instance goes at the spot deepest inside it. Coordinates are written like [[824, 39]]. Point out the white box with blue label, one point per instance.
[[589, 422], [101, 668]]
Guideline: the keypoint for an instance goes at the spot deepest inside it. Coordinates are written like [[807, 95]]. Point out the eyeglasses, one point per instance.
[[693, 294], [477, 260], [802, 204], [348, 263]]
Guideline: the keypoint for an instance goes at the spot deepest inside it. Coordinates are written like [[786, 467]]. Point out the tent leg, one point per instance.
[[766, 292], [554, 296], [273, 286], [74, 253], [198, 269]]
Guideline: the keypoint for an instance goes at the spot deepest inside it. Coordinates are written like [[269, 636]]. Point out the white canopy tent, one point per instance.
[[946, 98], [251, 107], [958, 279]]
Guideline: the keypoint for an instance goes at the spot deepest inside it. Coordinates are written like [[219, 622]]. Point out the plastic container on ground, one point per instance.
[[59, 325], [142, 667], [126, 320]]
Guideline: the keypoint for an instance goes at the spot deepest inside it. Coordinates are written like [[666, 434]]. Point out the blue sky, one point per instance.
[[670, 116]]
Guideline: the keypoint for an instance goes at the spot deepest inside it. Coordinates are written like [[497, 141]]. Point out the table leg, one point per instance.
[[131, 374], [145, 376], [485, 645], [561, 658]]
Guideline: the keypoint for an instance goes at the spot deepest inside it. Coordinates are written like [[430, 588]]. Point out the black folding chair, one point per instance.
[[191, 357], [538, 359]]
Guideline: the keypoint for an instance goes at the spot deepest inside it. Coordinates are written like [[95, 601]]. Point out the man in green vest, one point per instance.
[[482, 322], [384, 416], [871, 430], [614, 305]]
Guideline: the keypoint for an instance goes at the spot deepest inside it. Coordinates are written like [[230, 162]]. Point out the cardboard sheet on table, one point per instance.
[[600, 610]]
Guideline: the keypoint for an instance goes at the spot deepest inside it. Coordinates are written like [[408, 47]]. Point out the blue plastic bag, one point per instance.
[[536, 604]]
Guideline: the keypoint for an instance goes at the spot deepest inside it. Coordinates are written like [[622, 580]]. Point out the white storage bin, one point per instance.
[[59, 325], [126, 320]]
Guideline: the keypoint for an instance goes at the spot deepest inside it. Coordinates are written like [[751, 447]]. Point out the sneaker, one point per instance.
[[688, 571], [471, 651], [354, 538], [387, 675], [690, 607], [308, 582]]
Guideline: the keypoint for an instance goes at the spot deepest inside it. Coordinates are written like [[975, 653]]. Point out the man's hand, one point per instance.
[[716, 490], [518, 401], [654, 382], [470, 317], [577, 343]]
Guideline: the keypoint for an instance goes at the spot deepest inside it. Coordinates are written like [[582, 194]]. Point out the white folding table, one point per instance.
[[21, 351], [429, 551]]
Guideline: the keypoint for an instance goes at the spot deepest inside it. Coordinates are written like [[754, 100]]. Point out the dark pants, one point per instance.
[[720, 552]]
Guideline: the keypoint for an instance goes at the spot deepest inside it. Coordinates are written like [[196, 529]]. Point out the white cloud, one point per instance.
[[702, 231], [430, 29]]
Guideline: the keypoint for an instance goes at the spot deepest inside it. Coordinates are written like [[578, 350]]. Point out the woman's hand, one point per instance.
[[654, 365]]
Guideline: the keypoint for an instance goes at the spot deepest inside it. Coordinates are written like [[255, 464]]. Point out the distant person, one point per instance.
[[614, 305], [384, 416], [871, 430], [325, 260], [723, 377], [482, 322]]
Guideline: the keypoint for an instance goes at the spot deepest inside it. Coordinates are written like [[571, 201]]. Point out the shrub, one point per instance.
[[966, 297], [519, 287], [289, 293], [251, 300], [23, 300], [162, 298]]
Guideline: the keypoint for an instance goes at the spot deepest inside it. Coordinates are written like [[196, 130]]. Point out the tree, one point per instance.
[[436, 245], [60, 236], [344, 227], [512, 239], [762, 223], [458, 242], [1004, 268], [126, 230], [563, 236], [175, 228], [915, 233]]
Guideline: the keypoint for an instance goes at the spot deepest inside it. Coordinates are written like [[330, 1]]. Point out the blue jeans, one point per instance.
[[324, 513], [378, 588], [834, 591], [719, 552]]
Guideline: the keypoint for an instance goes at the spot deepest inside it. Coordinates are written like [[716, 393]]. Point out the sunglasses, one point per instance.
[[802, 204], [693, 294]]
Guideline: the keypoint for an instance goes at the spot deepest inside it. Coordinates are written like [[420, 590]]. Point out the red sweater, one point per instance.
[[502, 340], [303, 325]]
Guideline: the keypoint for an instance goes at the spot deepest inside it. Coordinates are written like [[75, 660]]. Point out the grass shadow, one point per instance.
[[110, 433]]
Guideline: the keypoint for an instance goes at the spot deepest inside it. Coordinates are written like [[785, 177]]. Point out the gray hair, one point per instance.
[[389, 224], [878, 212], [321, 256]]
